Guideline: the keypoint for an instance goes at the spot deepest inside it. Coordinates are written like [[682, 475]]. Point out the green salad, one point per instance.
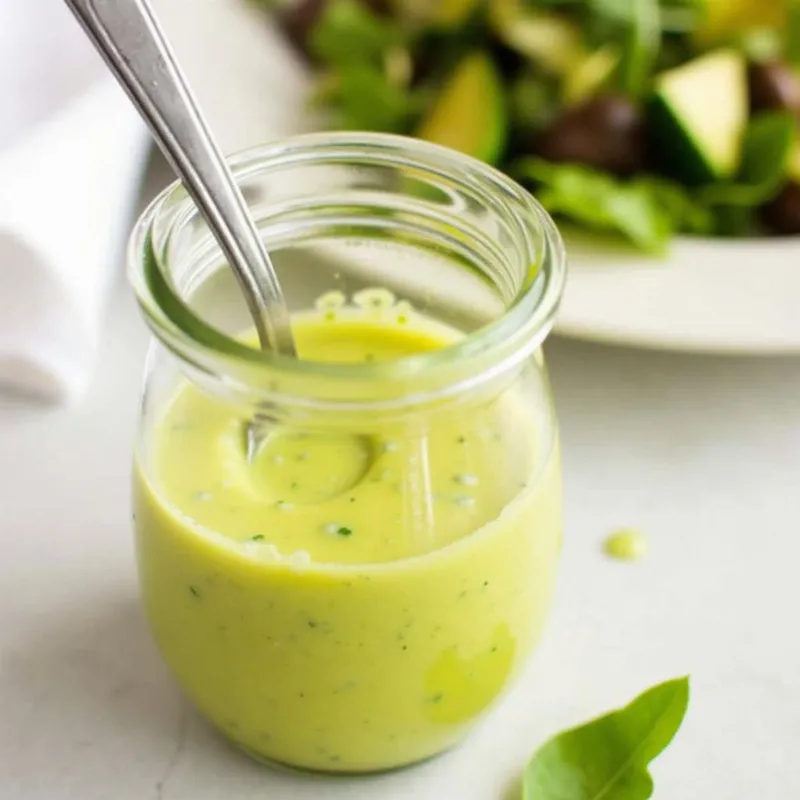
[[640, 118]]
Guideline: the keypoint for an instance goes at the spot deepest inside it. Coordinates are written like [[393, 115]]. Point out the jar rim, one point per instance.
[[511, 337]]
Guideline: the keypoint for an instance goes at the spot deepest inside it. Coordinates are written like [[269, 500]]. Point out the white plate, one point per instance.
[[709, 296]]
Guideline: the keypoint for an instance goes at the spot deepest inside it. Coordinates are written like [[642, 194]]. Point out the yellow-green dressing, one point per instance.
[[347, 602]]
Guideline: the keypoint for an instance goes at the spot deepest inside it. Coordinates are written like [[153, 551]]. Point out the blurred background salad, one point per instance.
[[641, 118]]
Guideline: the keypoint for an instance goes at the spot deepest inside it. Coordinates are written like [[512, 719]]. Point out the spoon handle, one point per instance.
[[131, 41]]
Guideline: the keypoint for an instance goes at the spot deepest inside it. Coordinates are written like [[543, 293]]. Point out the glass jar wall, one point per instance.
[[357, 593]]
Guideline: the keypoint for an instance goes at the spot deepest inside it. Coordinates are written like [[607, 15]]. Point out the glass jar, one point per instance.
[[357, 595]]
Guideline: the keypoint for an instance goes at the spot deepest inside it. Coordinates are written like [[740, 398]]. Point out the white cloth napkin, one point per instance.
[[71, 153]]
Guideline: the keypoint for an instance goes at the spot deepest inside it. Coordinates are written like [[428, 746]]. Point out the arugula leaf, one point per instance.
[[642, 46], [766, 151], [767, 147], [348, 32], [647, 210], [608, 758], [597, 201], [362, 97], [638, 24], [687, 214]]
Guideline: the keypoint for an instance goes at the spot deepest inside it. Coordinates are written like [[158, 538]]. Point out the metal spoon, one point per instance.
[[133, 45]]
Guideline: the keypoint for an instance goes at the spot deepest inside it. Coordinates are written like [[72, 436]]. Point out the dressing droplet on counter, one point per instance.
[[626, 544]]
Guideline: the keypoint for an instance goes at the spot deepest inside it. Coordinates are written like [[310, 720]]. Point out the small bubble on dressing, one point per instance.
[[331, 301], [375, 299]]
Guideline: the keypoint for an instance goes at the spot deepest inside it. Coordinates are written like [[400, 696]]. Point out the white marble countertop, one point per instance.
[[703, 454]]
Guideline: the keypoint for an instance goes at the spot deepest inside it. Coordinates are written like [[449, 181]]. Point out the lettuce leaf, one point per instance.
[[648, 211], [766, 151], [349, 33], [361, 97]]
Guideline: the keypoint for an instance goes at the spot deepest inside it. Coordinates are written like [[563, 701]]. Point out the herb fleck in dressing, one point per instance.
[[336, 596]]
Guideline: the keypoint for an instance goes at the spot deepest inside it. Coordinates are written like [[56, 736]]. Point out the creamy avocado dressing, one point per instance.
[[349, 602]]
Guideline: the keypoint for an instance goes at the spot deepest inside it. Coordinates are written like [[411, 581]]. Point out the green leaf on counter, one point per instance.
[[608, 758], [646, 210], [348, 32], [766, 151]]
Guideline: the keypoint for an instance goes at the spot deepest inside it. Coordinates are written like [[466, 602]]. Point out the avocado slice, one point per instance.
[[470, 113], [698, 116]]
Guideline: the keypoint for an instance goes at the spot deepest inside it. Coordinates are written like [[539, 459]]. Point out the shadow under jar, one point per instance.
[[358, 595]]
